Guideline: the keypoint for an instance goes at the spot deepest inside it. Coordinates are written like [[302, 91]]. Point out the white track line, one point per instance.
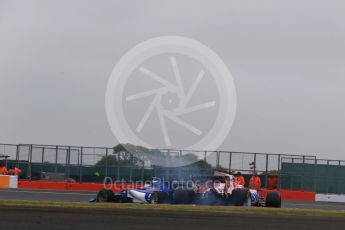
[[315, 205]]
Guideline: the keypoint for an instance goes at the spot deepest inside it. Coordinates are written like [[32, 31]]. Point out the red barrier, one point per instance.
[[73, 186], [293, 195], [298, 195], [94, 187], [47, 185]]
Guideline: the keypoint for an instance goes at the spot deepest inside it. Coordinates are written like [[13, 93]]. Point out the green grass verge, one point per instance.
[[177, 208]]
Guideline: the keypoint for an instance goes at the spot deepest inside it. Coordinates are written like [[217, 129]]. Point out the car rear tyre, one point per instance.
[[240, 197], [273, 199], [248, 202], [183, 196]]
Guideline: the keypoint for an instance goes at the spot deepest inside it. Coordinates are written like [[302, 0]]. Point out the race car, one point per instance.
[[220, 189]]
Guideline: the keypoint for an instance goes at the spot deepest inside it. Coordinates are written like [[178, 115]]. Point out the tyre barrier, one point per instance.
[[7, 181]]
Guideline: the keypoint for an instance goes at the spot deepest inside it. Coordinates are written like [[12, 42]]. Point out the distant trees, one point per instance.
[[121, 156], [138, 156]]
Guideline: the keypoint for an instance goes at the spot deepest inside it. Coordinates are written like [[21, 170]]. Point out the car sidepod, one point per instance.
[[139, 196]]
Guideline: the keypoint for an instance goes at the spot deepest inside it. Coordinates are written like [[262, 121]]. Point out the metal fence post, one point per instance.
[[230, 159], [266, 171], [81, 165], [42, 161], [118, 165], [303, 174], [30, 162], [56, 158], [179, 171], [339, 170], [327, 176], [255, 163], [167, 172], [68, 161], [17, 155], [217, 159], [315, 175], [142, 171], [130, 173], [106, 162], [279, 173]]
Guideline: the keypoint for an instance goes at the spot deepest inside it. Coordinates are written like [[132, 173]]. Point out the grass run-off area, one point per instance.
[[175, 208]]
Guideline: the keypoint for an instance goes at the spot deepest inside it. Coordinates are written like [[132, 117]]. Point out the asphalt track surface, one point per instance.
[[71, 196], [78, 218], [34, 218], [46, 195]]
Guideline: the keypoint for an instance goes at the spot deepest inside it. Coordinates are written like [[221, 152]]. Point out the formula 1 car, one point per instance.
[[220, 189]]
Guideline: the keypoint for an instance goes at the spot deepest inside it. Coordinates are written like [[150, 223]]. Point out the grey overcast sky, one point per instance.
[[287, 59]]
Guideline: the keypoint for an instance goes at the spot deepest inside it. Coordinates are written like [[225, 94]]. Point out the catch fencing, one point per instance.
[[93, 164]]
